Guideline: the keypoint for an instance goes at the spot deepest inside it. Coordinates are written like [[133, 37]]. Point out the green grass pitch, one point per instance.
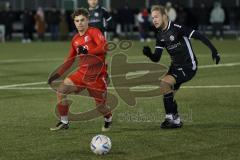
[[211, 114]]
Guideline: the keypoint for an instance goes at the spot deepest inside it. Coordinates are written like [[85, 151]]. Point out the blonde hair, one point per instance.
[[159, 8]]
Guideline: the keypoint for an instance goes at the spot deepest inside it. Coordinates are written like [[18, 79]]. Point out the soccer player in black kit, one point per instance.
[[176, 39], [99, 16]]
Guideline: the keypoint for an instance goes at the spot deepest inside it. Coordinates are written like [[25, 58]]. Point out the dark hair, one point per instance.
[[159, 8], [80, 11]]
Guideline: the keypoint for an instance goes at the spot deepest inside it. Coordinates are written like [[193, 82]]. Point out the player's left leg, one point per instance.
[[98, 91], [175, 77], [104, 110], [172, 120]]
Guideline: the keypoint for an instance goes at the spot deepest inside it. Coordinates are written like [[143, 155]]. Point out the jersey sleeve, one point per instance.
[[205, 40], [106, 14], [100, 42], [156, 56], [68, 61], [159, 44], [186, 32]]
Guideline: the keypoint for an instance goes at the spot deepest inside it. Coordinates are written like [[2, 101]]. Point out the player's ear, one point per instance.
[[165, 17]]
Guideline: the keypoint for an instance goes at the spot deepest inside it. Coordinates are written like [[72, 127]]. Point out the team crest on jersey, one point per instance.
[[76, 43], [172, 38], [96, 14], [86, 39]]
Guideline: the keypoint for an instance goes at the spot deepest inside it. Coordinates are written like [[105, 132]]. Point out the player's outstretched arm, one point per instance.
[[156, 56], [205, 40], [66, 65], [53, 77], [69, 60]]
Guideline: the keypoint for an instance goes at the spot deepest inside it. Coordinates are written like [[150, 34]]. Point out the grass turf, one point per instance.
[[211, 115]]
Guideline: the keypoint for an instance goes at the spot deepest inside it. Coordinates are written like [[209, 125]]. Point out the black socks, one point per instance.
[[170, 104]]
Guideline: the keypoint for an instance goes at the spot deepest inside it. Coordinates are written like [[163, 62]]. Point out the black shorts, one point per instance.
[[181, 75]]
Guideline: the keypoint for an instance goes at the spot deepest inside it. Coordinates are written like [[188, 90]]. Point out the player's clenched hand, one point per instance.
[[82, 50], [216, 56], [147, 51], [52, 78]]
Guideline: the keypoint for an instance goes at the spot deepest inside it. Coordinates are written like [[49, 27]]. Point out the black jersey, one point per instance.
[[176, 39], [99, 17]]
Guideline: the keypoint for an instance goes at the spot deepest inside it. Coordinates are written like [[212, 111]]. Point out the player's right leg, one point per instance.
[[63, 90]]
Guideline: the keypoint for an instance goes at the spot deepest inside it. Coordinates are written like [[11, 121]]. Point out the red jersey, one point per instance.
[[94, 61]]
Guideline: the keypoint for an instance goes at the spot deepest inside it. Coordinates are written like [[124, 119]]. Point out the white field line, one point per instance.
[[135, 88], [61, 59], [21, 85], [200, 67], [202, 56], [29, 60], [218, 86], [220, 65], [26, 88], [129, 74]]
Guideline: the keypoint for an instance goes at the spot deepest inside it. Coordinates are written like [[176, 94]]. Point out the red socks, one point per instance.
[[62, 109]]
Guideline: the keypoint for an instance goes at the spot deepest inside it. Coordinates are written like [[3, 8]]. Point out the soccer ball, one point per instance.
[[100, 144]]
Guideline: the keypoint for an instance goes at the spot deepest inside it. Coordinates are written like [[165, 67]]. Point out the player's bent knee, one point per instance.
[[63, 89], [68, 82], [60, 95], [165, 87], [66, 87]]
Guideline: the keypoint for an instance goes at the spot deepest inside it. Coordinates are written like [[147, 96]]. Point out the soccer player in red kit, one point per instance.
[[89, 45]]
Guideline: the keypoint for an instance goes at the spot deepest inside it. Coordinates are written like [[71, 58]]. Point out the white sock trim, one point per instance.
[[64, 119], [169, 116], [108, 119]]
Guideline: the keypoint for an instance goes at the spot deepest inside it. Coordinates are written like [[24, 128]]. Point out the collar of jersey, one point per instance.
[[84, 33], [168, 26]]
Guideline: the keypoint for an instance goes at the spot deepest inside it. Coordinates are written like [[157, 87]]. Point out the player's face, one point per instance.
[[157, 19], [92, 3], [81, 23]]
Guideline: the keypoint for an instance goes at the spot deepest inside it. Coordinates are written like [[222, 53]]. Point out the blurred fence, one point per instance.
[[194, 15], [70, 4]]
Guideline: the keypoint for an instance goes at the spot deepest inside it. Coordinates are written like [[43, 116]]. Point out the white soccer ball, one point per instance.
[[100, 144]]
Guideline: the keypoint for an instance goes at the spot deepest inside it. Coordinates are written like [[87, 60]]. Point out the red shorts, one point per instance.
[[95, 85]]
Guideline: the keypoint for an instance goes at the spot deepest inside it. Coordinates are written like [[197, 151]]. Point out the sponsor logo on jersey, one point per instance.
[[173, 46]]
